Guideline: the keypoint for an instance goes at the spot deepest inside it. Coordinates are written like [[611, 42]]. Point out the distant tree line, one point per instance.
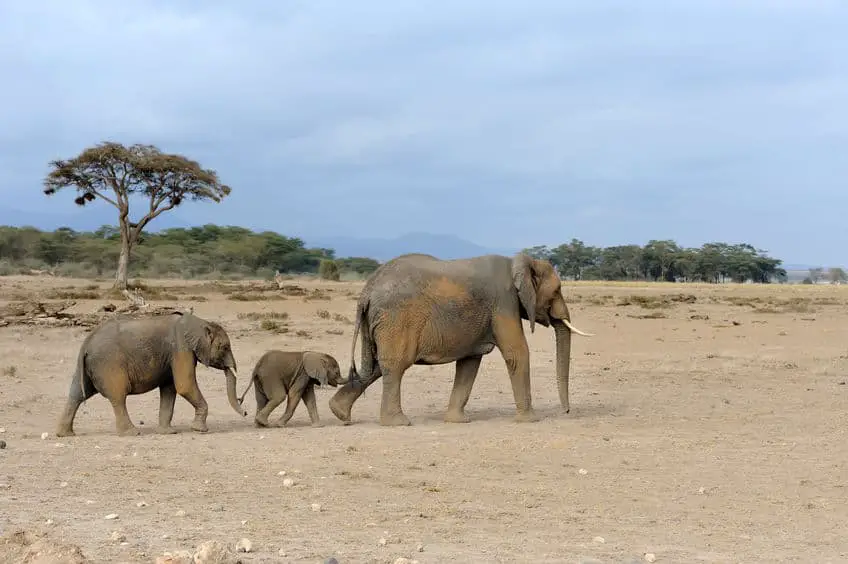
[[663, 260], [197, 252]]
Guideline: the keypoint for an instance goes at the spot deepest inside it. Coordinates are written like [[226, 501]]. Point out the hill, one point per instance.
[[439, 245]]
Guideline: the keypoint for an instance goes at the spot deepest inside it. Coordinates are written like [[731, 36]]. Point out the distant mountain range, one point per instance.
[[441, 246]]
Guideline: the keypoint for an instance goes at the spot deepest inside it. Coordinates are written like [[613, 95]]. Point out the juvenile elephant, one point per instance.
[[417, 309], [127, 356], [291, 375]]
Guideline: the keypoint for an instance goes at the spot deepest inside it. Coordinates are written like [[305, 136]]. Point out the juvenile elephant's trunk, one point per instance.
[[231, 392], [563, 360]]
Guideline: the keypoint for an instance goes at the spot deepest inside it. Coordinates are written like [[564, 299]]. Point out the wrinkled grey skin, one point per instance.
[[417, 309], [291, 375], [127, 356]]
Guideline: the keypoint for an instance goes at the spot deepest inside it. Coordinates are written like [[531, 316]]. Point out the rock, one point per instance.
[[402, 560], [316, 507], [650, 557], [63, 485], [582, 471], [117, 536], [49, 522], [44, 436], [420, 548], [214, 552], [2, 429], [180, 513], [111, 517], [281, 473], [282, 552], [244, 545], [330, 560], [599, 540], [179, 557], [288, 482], [2, 444], [382, 541], [141, 504]]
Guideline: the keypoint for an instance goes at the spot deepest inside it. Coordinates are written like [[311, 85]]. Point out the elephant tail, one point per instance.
[[353, 375], [81, 372], [253, 377]]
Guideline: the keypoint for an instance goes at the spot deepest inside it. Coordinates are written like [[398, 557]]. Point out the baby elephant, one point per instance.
[[291, 375]]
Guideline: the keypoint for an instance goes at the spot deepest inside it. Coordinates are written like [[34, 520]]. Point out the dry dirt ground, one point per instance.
[[708, 424]]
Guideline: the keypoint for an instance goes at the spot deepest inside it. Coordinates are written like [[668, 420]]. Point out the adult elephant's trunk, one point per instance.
[[231, 392], [563, 360]]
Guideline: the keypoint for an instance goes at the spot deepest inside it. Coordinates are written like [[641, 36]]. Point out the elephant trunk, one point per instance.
[[563, 360], [231, 392]]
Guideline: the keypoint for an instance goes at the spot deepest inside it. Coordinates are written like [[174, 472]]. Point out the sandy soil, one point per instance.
[[708, 424]]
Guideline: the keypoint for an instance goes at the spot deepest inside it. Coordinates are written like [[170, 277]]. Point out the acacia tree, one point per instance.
[[114, 173]]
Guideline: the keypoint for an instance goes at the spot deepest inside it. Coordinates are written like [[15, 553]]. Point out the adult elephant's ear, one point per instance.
[[315, 367], [522, 279]]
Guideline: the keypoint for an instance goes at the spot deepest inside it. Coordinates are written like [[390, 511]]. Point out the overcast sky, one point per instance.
[[507, 123]]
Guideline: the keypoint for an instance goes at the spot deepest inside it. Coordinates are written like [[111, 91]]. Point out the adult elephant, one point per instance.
[[127, 356], [417, 309]]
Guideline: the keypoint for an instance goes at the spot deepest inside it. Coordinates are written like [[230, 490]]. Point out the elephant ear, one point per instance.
[[315, 367], [525, 284]]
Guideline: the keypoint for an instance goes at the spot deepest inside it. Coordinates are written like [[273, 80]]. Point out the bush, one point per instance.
[[328, 269]]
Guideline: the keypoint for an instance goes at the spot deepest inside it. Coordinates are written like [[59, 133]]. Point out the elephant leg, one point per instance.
[[167, 399], [65, 427], [123, 423], [466, 373], [261, 419], [311, 405], [295, 393], [344, 398], [391, 412], [516, 354], [185, 382]]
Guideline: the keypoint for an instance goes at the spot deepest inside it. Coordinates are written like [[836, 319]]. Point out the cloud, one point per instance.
[[513, 124]]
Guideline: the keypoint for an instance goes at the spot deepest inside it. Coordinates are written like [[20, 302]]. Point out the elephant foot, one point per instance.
[[65, 432], [199, 426], [317, 424], [132, 431], [456, 417], [166, 430], [259, 424], [528, 416], [340, 408], [396, 420]]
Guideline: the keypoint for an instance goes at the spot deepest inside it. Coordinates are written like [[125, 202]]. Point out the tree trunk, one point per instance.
[[126, 246]]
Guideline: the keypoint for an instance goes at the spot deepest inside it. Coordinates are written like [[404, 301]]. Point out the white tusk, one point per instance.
[[576, 330]]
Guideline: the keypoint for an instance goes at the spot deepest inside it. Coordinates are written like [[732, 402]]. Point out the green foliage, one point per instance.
[[663, 261], [197, 252], [359, 265], [328, 269]]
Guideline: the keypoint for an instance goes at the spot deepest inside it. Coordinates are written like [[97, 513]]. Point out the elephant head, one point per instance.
[[323, 368], [211, 345], [539, 290]]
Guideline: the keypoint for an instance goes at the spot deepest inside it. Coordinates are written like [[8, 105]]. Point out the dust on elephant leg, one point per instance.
[[167, 399], [391, 412], [123, 423]]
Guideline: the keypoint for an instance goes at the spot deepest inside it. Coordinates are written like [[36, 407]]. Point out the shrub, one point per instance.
[[328, 269]]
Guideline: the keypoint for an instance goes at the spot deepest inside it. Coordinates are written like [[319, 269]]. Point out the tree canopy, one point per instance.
[[115, 173]]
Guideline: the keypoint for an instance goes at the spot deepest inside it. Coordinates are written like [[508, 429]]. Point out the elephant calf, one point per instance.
[[127, 356], [291, 375]]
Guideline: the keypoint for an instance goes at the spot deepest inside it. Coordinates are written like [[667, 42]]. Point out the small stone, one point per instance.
[[420, 548], [89, 502], [282, 552], [117, 536], [49, 522], [288, 482], [141, 504], [330, 560], [180, 513], [582, 471], [281, 473], [650, 557], [599, 540], [244, 545], [382, 541], [2, 444], [111, 517], [316, 507], [701, 490], [124, 543], [244, 522], [2, 429], [44, 436], [402, 560], [63, 485]]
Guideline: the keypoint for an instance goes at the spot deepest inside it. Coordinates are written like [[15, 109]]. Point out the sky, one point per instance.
[[509, 124]]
